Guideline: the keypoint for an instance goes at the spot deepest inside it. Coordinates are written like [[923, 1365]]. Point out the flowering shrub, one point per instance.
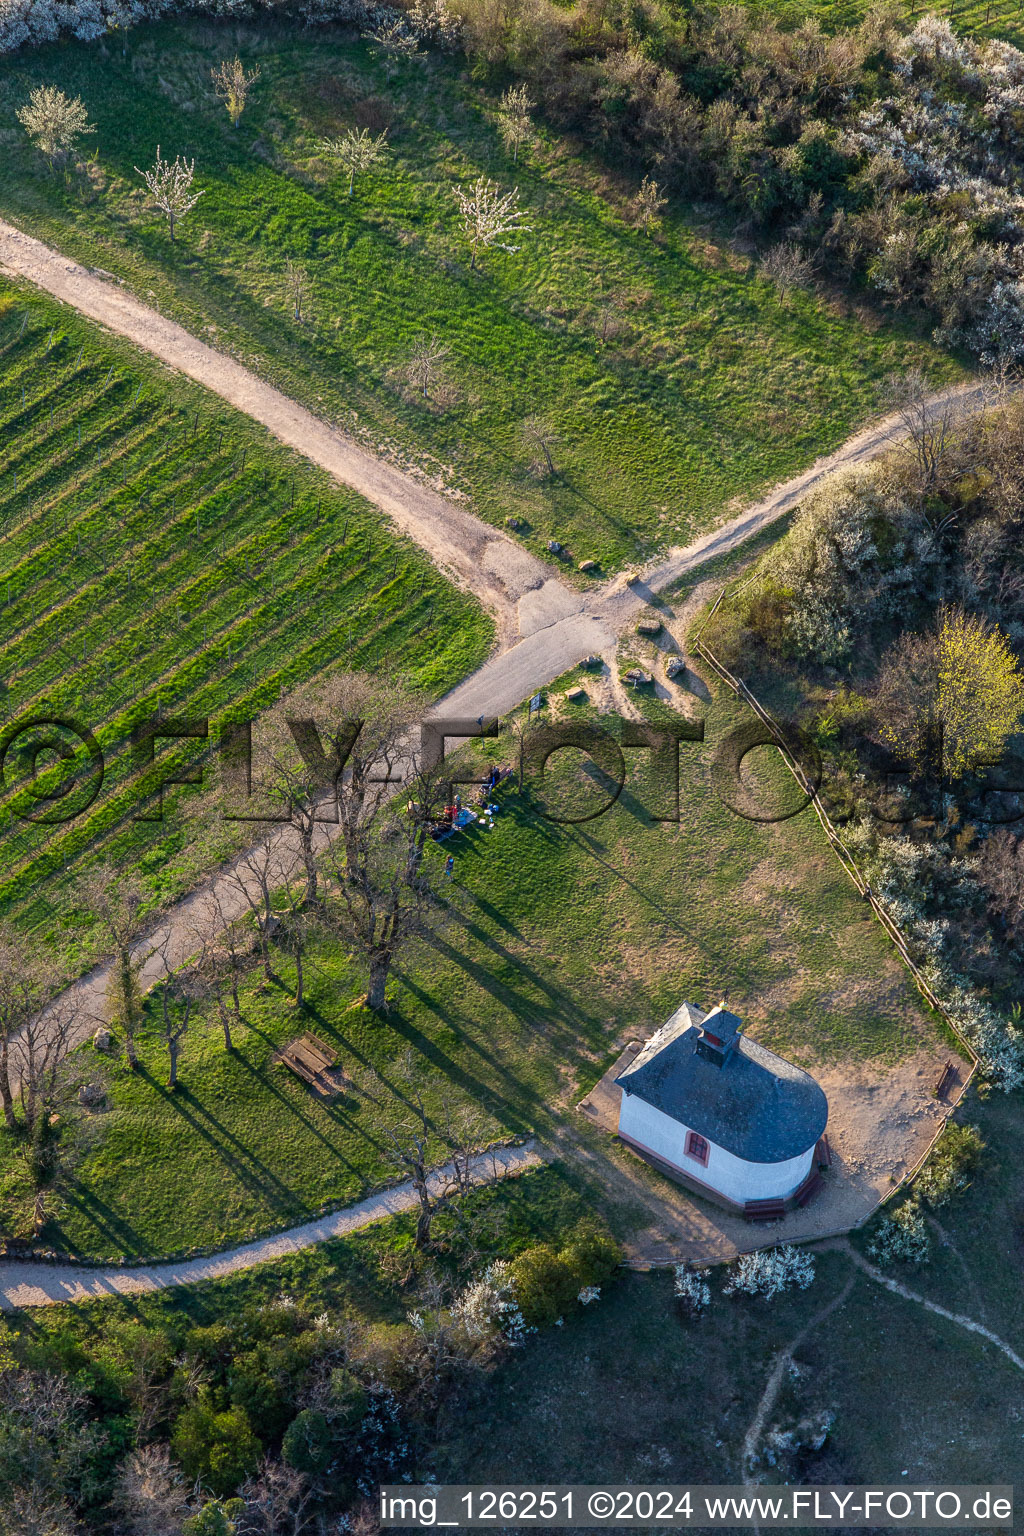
[[908, 878], [770, 1272], [948, 1171], [692, 1289], [902, 1237], [42, 21], [489, 1307]]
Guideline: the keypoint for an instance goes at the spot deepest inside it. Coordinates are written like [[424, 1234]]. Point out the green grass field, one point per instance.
[[975, 18], [562, 942], [158, 552], [674, 376]]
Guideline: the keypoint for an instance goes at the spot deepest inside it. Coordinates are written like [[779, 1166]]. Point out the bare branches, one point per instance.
[[929, 426], [357, 150], [787, 267], [232, 84], [539, 432], [116, 900], [426, 363], [170, 186], [488, 216], [298, 287]]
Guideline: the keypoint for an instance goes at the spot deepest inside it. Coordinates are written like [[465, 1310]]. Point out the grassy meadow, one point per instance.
[[159, 552], [672, 375], [561, 942]]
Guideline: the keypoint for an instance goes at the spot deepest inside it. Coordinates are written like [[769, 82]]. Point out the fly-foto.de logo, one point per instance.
[[53, 768]]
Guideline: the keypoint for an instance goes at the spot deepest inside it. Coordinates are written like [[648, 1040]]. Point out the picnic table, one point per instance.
[[315, 1063]]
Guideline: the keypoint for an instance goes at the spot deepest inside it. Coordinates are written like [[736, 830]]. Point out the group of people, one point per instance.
[[456, 816]]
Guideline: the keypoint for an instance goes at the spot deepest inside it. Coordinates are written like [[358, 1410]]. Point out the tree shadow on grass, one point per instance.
[[102, 1216]]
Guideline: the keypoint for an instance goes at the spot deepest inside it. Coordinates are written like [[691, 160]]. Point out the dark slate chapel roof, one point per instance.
[[757, 1105]]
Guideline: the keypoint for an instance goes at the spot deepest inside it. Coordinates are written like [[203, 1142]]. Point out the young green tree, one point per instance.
[[950, 700], [357, 150], [646, 206], [232, 83], [54, 122], [514, 124]]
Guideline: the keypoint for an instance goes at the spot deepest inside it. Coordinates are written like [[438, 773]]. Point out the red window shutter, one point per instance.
[[697, 1147]]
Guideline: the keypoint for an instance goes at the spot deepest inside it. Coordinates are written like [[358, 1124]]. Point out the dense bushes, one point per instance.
[[548, 1281]]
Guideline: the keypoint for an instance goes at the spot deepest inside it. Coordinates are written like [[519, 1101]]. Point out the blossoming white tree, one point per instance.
[[54, 122], [489, 216], [393, 42], [646, 206], [170, 186]]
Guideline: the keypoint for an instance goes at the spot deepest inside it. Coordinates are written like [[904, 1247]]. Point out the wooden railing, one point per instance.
[[849, 863]]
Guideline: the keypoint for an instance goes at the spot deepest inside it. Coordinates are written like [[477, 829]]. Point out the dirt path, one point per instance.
[[527, 599], [773, 1386], [26, 1283], [517, 588], [959, 1318]]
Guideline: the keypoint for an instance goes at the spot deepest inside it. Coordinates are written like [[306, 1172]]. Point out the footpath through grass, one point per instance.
[[671, 376], [160, 554], [562, 943]]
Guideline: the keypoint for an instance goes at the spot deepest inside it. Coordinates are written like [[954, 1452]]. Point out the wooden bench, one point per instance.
[[946, 1077], [315, 1063], [762, 1211], [809, 1188]]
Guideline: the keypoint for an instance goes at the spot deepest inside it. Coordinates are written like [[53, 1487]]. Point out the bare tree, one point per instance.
[[221, 960], [357, 151], [514, 123], [380, 893], [426, 363], [539, 433], [393, 42], [36, 1512], [54, 122], [413, 1146], [115, 899], [255, 875], [787, 267], [278, 1501], [46, 1079], [305, 746], [232, 84], [30, 1051], [180, 991], [298, 287], [646, 206], [928, 425], [170, 186], [150, 1494], [296, 930], [488, 215]]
